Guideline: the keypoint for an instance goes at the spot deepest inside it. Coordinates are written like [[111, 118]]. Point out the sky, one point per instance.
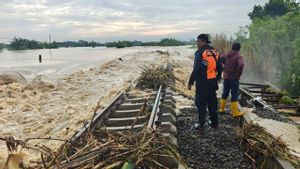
[[109, 20]]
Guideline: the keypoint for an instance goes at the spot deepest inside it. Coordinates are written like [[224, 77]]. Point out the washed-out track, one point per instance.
[[124, 112]]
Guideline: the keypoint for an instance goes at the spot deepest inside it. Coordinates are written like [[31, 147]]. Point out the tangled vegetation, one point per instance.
[[153, 76], [126, 149], [287, 100], [271, 43], [259, 146]]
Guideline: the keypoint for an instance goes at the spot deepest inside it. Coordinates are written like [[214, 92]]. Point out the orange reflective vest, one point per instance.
[[209, 58]]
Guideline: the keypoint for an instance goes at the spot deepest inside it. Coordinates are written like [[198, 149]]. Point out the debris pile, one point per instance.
[[154, 75], [260, 146], [145, 149]]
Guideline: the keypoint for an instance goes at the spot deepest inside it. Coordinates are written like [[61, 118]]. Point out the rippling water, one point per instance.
[[59, 61]]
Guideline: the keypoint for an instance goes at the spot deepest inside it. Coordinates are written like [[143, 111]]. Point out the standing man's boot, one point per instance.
[[222, 106], [235, 109]]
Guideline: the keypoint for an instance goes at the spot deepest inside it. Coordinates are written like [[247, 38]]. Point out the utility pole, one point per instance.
[[49, 40], [50, 47]]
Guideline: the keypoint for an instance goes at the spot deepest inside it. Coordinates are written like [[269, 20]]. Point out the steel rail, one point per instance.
[[100, 116], [154, 113]]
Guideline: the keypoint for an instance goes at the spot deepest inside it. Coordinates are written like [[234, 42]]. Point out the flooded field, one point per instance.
[[60, 61]]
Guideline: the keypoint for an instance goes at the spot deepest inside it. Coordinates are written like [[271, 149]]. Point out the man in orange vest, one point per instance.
[[206, 73]]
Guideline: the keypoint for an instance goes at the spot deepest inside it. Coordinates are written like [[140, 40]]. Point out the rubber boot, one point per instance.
[[235, 110], [222, 106]]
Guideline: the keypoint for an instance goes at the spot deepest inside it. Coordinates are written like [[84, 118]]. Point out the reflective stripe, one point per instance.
[[204, 62]]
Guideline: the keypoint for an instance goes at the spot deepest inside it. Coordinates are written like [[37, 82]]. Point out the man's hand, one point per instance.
[[189, 87]]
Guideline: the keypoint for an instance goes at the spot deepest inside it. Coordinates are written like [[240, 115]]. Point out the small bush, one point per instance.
[[287, 100]]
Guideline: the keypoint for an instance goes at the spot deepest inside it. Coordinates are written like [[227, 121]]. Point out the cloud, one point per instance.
[[106, 20]]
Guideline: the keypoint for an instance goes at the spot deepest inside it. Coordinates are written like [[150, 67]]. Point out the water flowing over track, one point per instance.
[[155, 109], [124, 113]]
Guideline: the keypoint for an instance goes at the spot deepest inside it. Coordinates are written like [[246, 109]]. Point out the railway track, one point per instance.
[[124, 113], [260, 96], [132, 112], [154, 109]]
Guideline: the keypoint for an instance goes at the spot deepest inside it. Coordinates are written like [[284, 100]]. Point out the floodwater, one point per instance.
[[64, 91], [59, 61]]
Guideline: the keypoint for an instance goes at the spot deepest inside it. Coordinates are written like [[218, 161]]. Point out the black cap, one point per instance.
[[203, 37], [236, 46]]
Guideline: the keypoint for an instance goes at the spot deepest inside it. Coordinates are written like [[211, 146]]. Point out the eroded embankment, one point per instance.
[[43, 108]]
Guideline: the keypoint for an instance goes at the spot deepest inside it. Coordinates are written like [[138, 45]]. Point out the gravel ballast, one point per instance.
[[270, 114], [216, 149]]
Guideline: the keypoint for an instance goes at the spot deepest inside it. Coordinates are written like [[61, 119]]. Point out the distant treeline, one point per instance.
[[163, 42], [22, 44], [2, 46]]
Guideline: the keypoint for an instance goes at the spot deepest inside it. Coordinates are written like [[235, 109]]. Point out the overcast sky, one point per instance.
[[107, 20]]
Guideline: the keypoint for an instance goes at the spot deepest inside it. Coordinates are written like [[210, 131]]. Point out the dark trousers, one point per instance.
[[206, 97], [233, 86]]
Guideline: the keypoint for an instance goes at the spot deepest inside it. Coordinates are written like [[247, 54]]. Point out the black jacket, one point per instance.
[[199, 73]]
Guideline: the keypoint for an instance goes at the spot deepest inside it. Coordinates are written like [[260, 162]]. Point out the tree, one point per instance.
[[53, 45], [170, 42], [92, 44], [2, 46], [258, 12], [273, 8], [291, 80], [19, 43], [22, 44], [276, 8], [271, 46], [163, 42]]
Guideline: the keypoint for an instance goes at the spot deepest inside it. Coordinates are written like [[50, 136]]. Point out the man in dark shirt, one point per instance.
[[233, 69], [206, 73]]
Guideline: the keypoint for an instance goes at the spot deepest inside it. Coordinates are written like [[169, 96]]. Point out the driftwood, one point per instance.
[[259, 145]]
